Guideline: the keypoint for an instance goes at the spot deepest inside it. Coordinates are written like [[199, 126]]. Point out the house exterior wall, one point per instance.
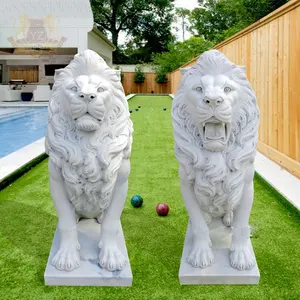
[[99, 45], [47, 23], [26, 60], [54, 24]]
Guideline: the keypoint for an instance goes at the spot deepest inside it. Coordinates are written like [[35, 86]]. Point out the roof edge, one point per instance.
[[103, 37]]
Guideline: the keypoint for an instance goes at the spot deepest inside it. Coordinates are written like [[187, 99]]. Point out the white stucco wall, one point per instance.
[[46, 23], [101, 46]]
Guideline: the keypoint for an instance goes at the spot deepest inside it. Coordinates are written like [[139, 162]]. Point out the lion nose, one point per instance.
[[90, 96], [213, 102]]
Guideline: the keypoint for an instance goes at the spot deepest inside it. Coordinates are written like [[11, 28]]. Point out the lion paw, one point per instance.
[[201, 256], [66, 258], [111, 258], [228, 219], [242, 258]]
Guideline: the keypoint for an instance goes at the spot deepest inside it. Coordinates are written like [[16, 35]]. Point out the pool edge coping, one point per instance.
[[15, 164], [283, 182]]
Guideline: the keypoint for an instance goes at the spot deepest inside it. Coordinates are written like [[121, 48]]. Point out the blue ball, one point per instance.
[[130, 111], [136, 200]]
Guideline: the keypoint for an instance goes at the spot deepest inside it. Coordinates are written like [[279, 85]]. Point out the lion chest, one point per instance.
[[88, 190], [217, 197], [89, 198], [216, 203]]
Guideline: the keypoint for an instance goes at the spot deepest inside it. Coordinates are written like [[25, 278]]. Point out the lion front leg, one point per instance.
[[201, 254], [241, 255], [110, 256], [67, 257]]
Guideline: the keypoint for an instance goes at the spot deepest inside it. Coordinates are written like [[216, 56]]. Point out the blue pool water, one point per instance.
[[21, 126]]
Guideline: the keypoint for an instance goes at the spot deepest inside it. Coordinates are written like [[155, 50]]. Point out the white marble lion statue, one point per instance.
[[215, 119], [88, 140]]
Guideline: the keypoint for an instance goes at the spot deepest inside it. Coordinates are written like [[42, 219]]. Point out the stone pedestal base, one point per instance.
[[221, 271], [89, 273]]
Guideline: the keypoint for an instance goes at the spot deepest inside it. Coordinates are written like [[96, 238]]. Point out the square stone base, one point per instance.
[[89, 273], [221, 271]]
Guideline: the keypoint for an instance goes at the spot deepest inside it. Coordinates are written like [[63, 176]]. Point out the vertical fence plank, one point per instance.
[[260, 83], [297, 92], [280, 81], [286, 62], [294, 81]]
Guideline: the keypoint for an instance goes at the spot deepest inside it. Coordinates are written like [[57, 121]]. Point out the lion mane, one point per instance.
[[228, 168], [89, 165]]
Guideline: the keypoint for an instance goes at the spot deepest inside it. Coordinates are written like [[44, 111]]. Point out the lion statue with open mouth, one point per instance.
[[89, 137], [215, 120]]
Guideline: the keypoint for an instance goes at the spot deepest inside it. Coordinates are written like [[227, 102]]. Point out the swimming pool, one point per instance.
[[21, 126]]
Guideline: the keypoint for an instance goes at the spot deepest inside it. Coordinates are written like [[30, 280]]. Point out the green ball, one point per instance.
[[136, 201]]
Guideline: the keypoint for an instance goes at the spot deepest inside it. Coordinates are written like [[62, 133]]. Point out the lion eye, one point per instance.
[[227, 89], [199, 89], [100, 89], [74, 89]]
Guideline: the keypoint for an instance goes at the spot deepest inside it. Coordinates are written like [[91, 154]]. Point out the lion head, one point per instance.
[[215, 119], [89, 130]]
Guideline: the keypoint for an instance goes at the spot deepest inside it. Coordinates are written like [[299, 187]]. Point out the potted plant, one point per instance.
[[161, 78], [26, 94], [139, 75]]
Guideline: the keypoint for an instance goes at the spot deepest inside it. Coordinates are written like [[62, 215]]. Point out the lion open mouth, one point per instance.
[[215, 130]]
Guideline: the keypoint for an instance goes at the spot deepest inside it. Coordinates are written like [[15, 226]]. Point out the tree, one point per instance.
[[179, 54], [152, 34], [116, 15], [212, 18], [183, 14], [217, 20]]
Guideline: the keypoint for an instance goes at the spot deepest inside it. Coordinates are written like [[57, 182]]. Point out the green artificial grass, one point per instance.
[[154, 244]]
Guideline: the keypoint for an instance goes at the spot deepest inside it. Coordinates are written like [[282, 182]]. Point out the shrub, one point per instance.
[[161, 78], [139, 75], [179, 54]]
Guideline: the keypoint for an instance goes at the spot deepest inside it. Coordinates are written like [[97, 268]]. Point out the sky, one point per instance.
[[190, 4]]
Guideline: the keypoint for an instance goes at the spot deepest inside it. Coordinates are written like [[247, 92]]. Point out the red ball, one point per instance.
[[162, 209]]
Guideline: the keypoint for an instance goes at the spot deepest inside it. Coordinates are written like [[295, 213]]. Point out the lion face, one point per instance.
[[88, 101], [211, 101]]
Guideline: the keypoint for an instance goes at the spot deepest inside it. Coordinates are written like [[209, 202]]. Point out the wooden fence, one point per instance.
[[270, 50], [149, 86]]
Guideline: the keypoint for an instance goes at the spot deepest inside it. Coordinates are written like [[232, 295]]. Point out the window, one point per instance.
[[1, 68], [50, 69]]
